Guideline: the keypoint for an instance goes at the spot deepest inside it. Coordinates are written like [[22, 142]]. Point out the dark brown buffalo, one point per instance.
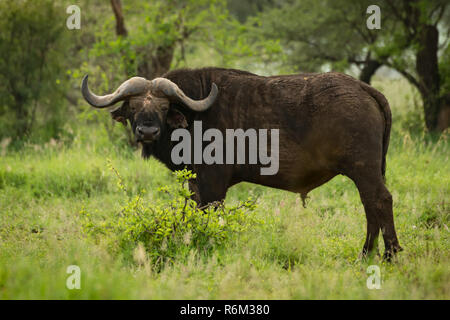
[[328, 123]]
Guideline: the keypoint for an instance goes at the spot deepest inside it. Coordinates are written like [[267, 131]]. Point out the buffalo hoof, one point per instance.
[[389, 254]]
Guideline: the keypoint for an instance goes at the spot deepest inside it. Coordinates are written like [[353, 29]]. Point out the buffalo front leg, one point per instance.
[[205, 194], [210, 185]]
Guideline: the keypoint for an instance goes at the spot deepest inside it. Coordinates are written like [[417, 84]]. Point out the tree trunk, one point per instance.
[[155, 65], [443, 121], [369, 69], [151, 64], [428, 71], [120, 23], [22, 122]]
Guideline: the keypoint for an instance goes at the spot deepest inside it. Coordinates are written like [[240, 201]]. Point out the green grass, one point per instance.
[[298, 253]]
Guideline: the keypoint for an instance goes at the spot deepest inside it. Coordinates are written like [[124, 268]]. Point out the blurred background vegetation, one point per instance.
[[42, 61]]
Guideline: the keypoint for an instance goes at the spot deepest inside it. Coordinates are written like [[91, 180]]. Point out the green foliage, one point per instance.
[[170, 228], [31, 50], [181, 28], [444, 72], [406, 107], [243, 10], [333, 36], [318, 35]]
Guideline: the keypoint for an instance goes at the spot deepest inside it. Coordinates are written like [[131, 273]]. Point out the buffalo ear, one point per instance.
[[175, 119], [121, 120], [120, 115]]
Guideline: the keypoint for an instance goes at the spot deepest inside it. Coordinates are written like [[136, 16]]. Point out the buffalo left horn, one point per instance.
[[131, 87]]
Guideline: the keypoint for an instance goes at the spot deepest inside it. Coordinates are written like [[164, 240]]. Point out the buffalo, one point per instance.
[[328, 124]]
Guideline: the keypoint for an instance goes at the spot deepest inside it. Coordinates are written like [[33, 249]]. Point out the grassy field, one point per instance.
[[297, 253]]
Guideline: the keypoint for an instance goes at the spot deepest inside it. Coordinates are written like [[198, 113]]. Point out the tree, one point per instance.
[[162, 33], [30, 42], [319, 33], [154, 60], [243, 9], [412, 39], [418, 34]]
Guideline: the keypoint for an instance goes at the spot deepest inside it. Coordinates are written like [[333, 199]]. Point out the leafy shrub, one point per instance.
[[32, 47], [172, 225]]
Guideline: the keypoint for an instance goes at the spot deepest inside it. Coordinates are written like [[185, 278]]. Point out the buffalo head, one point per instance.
[[146, 105]]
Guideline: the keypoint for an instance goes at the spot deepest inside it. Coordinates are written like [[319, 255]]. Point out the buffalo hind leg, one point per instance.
[[377, 202]]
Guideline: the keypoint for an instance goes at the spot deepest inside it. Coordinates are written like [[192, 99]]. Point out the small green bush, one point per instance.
[[173, 225]]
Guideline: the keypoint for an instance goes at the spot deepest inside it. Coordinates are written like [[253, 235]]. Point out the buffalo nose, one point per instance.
[[147, 133]]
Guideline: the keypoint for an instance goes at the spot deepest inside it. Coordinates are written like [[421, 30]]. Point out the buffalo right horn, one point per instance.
[[131, 87], [171, 90]]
